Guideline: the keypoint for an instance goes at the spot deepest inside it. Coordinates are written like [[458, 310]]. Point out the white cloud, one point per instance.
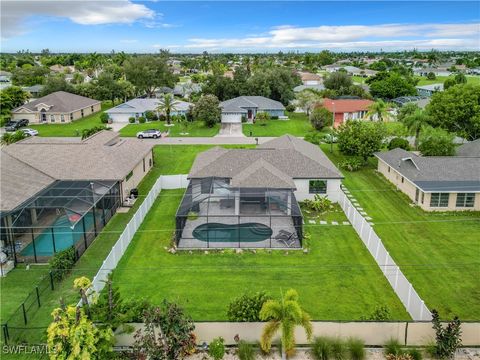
[[387, 36], [15, 12]]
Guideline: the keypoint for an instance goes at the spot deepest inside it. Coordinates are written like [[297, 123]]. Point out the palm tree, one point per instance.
[[415, 123], [378, 109], [166, 105], [284, 315]]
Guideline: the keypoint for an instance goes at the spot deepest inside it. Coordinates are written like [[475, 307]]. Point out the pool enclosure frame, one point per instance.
[[212, 200], [64, 214]]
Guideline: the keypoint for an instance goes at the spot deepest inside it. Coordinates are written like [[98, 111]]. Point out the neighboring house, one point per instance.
[[420, 101], [351, 70], [300, 88], [429, 90], [5, 76], [62, 69], [248, 106], [34, 90], [59, 192], [435, 183], [435, 71], [57, 107], [347, 109], [138, 107], [310, 78], [186, 89], [469, 149], [253, 190]]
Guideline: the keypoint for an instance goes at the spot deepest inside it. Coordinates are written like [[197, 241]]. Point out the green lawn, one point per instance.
[[441, 79], [438, 252], [298, 125], [71, 129], [195, 129], [359, 79], [338, 279]]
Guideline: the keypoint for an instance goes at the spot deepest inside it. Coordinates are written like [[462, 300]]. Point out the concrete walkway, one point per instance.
[[218, 140]]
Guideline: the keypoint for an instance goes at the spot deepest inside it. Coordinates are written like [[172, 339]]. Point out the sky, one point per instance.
[[237, 26]]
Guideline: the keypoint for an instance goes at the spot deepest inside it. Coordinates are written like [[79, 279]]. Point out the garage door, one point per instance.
[[232, 118], [120, 118]]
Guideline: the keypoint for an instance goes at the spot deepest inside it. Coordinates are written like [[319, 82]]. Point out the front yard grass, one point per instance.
[[298, 125], [437, 252], [337, 279], [72, 129], [195, 129]]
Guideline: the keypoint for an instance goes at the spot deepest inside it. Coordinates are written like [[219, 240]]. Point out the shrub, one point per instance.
[[162, 117], [86, 133], [149, 115], [290, 108], [351, 164], [447, 339], [360, 138], [313, 137], [154, 117], [274, 117], [247, 307], [436, 142], [381, 313], [322, 348], [398, 357], [392, 347], [339, 349], [245, 350], [104, 117], [62, 262], [398, 142], [415, 354], [142, 120], [356, 349], [320, 117], [261, 118], [431, 76], [330, 138], [192, 215], [319, 203], [216, 349], [131, 120]]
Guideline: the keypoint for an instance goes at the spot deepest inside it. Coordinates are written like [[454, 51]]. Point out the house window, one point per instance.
[[52, 118], [81, 112], [465, 200], [150, 162], [91, 108], [439, 199], [317, 187], [71, 116], [389, 169], [402, 179], [130, 174], [62, 118], [423, 197]]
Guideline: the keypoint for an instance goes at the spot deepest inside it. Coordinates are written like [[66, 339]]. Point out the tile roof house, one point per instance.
[[247, 106], [261, 185], [57, 107], [309, 78], [347, 109], [435, 183]]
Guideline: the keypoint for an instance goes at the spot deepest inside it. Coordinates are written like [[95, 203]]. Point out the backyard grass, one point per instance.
[[437, 252], [298, 125], [337, 279], [195, 129], [71, 129], [441, 79]]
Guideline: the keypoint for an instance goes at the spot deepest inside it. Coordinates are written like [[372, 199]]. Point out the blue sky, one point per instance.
[[235, 26]]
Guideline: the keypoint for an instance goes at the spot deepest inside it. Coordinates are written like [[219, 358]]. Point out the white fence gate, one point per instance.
[[402, 287]]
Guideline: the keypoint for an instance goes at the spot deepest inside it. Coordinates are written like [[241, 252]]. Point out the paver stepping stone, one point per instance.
[[368, 218], [363, 213], [323, 222], [334, 223], [346, 223], [311, 222], [371, 223]]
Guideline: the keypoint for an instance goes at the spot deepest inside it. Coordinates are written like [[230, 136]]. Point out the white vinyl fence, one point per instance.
[[402, 287], [111, 261]]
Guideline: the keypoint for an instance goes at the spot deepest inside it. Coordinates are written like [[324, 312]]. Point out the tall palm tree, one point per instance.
[[415, 123], [284, 315], [167, 104], [378, 109]]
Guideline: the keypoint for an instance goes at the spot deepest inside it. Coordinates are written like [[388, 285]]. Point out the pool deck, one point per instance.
[[276, 223]]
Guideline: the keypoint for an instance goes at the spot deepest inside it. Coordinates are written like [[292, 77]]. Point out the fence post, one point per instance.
[[386, 263], [396, 279], [38, 296], [51, 281], [409, 296], [5, 333], [376, 251], [421, 310], [24, 313], [361, 228]]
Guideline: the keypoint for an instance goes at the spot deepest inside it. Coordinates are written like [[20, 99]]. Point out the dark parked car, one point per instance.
[[15, 125]]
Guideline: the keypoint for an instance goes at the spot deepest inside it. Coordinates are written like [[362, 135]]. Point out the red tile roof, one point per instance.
[[346, 105]]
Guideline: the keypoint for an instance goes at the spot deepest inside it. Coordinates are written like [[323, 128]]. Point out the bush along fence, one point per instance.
[[403, 288]]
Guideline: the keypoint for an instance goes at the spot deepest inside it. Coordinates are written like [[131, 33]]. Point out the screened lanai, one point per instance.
[[215, 214], [67, 213]]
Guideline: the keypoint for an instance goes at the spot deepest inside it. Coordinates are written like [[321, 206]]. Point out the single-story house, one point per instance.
[[469, 149], [253, 193], [138, 107], [435, 183], [60, 192], [186, 89], [420, 101], [247, 106], [429, 90], [347, 109], [57, 107], [34, 90], [309, 78], [436, 71], [300, 88], [5, 76]]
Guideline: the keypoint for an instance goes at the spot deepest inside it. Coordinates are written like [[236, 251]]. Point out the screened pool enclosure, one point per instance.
[[67, 213], [214, 214]]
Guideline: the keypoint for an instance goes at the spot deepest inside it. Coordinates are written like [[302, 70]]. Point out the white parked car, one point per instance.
[[151, 133], [29, 132]]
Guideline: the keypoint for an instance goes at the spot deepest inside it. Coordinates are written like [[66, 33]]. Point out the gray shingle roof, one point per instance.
[[261, 103], [281, 160], [60, 101], [471, 148], [430, 173], [103, 156], [142, 105]]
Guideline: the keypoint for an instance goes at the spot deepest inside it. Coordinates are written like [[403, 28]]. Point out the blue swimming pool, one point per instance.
[[63, 234], [248, 232]]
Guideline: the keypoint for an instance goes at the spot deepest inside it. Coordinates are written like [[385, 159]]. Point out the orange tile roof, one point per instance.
[[346, 105]]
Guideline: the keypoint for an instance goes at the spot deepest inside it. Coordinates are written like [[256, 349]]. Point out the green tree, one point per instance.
[[56, 83], [407, 109], [308, 98], [436, 142], [320, 117], [431, 76], [207, 109], [360, 138], [262, 117], [29, 76], [415, 123], [284, 315], [337, 81], [166, 105], [460, 78], [449, 83], [391, 85], [457, 110], [378, 110], [12, 97]]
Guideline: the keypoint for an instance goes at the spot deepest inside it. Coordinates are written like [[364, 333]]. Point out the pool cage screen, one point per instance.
[[213, 214], [67, 213]]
